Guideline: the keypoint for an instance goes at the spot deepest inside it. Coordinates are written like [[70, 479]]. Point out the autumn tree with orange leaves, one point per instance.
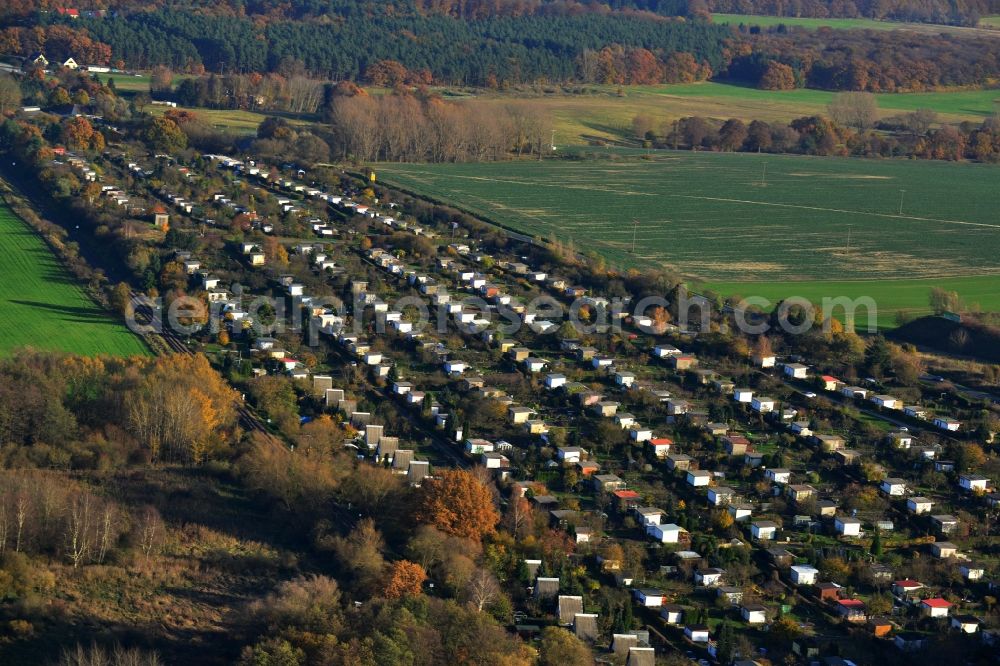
[[458, 503], [405, 579], [180, 408]]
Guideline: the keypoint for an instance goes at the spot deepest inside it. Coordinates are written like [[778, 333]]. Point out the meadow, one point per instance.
[[752, 224], [805, 22], [606, 112], [43, 308], [809, 23]]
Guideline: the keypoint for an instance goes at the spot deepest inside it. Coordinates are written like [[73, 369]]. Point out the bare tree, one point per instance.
[[482, 590], [20, 515], [79, 529], [4, 527], [106, 532], [854, 109], [150, 530]]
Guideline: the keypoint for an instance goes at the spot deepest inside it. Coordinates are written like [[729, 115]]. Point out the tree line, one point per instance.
[[908, 135], [405, 128]]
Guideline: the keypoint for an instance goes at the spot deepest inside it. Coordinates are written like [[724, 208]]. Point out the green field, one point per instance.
[[41, 306], [812, 226], [855, 24], [811, 23], [233, 120], [606, 112]]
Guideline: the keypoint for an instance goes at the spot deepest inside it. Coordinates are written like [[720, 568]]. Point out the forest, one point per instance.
[[502, 44], [864, 60], [455, 51]]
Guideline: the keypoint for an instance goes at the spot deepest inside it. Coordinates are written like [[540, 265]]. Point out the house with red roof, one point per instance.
[[906, 587], [830, 383], [627, 499], [852, 610], [661, 446], [935, 607]]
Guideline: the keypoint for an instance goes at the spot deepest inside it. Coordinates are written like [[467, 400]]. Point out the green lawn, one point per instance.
[[853, 23], [41, 306], [981, 103], [811, 23], [812, 226], [128, 83], [909, 296], [233, 120]]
